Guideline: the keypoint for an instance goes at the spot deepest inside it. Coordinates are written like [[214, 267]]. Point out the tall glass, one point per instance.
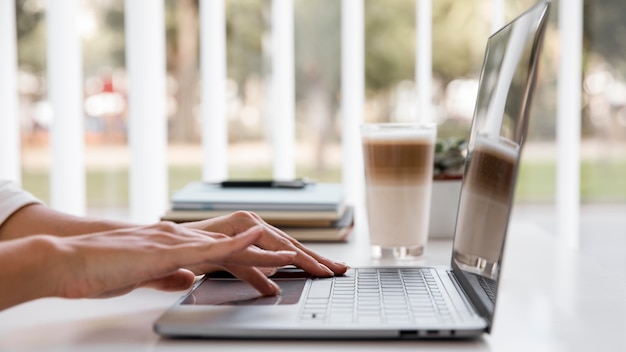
[[398, 161]]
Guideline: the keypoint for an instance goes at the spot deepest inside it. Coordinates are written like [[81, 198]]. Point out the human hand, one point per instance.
[[115, 262], [272, 239]]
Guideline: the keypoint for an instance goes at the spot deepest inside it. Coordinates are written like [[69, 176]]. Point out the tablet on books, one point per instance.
[[208, 196]]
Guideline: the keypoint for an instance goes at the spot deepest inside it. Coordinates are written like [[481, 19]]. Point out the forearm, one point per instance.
[[39, 219], [27, 270]]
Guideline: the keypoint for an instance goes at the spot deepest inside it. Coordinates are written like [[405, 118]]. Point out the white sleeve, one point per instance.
[[12, 198]]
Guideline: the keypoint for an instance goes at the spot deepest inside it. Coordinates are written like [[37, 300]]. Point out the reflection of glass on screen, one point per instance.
[[496, 138], [484, 204]]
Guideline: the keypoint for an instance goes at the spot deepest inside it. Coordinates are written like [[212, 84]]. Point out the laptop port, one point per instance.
[[408, 334]]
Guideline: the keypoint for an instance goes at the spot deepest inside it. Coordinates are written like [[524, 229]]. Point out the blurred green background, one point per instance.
[[536, 182]]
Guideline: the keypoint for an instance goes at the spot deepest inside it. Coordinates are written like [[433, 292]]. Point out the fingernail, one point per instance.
[[275, 288], [340, 263], [327, 270], [269, 271], [286, 253]]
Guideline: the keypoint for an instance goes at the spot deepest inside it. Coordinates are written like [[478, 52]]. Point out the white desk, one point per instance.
[[550, 299]]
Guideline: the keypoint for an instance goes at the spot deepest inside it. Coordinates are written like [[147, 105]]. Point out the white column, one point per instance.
[[213, 68], [423, 60], [497, 16], [283, 90], [568, 122], [147, 133], [352, 96], [9, 120], [65, 91]]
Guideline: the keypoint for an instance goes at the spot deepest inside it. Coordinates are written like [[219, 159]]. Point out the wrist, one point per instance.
[[30, 268]]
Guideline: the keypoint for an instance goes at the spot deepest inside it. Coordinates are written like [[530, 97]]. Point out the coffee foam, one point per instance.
[[400, 135], [502, 147]]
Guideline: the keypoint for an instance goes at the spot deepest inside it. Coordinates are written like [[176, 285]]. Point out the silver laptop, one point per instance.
[[402, 302]]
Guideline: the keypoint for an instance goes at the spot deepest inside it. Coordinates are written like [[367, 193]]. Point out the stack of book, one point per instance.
[[314, 212]]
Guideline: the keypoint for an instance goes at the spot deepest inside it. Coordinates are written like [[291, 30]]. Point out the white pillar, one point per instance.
[[282, 108], [423, 60], [352, 96], [147, 120], [497, 16], [568, 122], [9, 120], [65, 92], [213, 68]]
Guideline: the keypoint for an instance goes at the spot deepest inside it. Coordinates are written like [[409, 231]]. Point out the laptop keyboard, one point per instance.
[[377, 296], [489, 286]]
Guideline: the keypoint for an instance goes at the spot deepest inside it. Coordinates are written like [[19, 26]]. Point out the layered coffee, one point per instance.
[[398, 182], [488, 190]]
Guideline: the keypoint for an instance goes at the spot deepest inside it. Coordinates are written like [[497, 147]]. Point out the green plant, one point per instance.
[[449, 158]]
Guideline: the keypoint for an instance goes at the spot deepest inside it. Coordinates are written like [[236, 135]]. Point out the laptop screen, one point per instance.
[[496, 138]]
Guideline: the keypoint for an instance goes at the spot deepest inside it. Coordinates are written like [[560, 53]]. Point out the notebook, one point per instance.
[[403, 302]]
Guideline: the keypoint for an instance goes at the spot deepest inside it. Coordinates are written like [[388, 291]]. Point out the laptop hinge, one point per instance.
[[471, 294]]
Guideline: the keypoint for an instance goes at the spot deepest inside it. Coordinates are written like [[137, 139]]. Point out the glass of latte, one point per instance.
[[398, 163]]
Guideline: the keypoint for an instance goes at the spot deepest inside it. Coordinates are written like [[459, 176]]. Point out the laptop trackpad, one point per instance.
[[223, 289]]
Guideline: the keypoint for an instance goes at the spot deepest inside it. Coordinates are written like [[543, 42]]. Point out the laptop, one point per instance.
[[402, 302]]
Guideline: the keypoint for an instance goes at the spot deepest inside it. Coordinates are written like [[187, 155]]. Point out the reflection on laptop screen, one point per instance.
[[497, 135]]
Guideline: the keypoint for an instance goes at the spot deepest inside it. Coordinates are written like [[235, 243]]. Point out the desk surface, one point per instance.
[[550, 299]]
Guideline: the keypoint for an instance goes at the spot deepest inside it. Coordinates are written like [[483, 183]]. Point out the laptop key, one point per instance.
[[320, 289]]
